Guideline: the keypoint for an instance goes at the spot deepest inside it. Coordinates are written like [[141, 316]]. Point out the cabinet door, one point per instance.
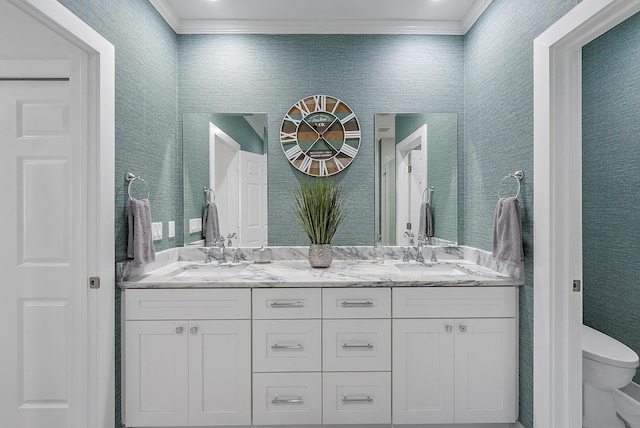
[[219, 373], [156, 373], [486, 378], [423, 371]]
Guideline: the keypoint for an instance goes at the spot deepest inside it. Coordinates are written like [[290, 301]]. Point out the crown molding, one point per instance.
[[168, 14], [347, 26], [473, 14], [318, 27]]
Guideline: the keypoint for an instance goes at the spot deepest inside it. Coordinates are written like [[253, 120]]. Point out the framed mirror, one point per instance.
[[225, 164], [416, 158]]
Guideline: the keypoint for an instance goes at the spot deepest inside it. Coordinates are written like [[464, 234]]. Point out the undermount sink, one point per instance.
[[430, 268], [209, 269]]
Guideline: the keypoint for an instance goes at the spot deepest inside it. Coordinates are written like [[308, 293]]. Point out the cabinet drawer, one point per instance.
[[287, 398], [287, 303], [356, 398], [172, 304], [283, 345], [356, 345], [455, 302], [356, 303]]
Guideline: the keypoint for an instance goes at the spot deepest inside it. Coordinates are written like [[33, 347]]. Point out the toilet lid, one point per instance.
[[600, 347]]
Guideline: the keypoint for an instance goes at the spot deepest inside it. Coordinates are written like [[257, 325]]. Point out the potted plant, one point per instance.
[[319, 205]]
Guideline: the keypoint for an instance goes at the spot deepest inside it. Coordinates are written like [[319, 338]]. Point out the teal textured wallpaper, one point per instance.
[[498, 136], [371, 73], [610, 184], [146, 108]]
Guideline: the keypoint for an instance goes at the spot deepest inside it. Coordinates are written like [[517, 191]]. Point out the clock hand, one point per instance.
[[329, 144], [312, 127], [328, 127]]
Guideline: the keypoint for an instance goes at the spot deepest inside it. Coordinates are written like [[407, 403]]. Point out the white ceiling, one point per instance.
[[321, 16]]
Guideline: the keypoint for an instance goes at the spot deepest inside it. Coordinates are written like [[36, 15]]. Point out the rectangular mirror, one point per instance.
[[225, 163], [416, 159]]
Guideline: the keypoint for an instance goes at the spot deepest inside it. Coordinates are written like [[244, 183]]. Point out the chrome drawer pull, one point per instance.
[[297, 304], [347, 346], [179, 330], [347, 400], [297, 347], [367, 304], [277, 400]]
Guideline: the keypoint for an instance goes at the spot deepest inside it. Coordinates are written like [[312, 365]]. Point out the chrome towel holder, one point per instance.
[[518, 176], [130, 178], [208, 193], [428, 191]]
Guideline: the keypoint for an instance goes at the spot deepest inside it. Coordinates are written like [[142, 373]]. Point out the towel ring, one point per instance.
[[428, 191], [208, 192], [518, 176], [131, 177]]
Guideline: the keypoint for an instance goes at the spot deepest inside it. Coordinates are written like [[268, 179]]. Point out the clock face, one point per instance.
[[320, 135]]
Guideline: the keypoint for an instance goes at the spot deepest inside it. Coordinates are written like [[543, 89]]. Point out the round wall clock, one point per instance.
[[320, 135]]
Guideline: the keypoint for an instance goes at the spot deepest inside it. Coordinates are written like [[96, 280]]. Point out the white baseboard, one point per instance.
[[627, 402]]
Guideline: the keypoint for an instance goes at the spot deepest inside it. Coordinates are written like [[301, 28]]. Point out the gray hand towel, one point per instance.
[[507, 232], [140, 244], [425, 228], [210, 224]]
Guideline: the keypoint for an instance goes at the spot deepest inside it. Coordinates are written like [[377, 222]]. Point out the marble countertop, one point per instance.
[[341, 273]]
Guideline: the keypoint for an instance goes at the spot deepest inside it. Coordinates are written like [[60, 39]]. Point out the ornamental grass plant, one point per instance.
[[319, 205]]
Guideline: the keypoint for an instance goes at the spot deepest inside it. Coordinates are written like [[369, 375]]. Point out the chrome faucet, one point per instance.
[[229, 236], [419, 257], [409, 234], [207, 252], [433, 255], [220, 245]]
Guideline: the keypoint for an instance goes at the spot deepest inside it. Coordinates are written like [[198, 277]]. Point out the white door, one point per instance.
[[224, 164], [43, 254], [486, 380], [411, 173], [423, 364], [253, 200], [220, 373], [157, 373]]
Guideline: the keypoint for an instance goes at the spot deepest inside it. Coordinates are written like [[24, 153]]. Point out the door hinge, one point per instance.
[[409, 169], [576, 286], [94, 282], [408, 226]]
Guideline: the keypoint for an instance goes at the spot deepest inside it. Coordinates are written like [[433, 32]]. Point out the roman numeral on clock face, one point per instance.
[[296, 122], [305, 166], [302, 106], [321, 102], [288, 137], [351, 134], [293, 153], [349, 151], [347, 118], [323, 167]]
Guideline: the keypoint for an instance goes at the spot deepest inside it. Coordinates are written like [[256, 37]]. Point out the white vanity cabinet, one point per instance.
[[454, 355], [287, 379], [356, 355], [187, 357]]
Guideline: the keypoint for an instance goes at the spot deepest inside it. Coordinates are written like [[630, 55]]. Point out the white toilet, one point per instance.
[[606, 365]]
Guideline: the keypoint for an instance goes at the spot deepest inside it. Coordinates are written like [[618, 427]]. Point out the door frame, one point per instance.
[[557, 157], [99, 403]]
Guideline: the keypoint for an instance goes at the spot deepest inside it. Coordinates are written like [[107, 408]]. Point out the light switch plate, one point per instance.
[[172, 229], [195, 225], [156, 231]]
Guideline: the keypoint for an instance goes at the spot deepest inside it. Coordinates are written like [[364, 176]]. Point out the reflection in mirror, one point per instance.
[[416, 152], [227, 153]]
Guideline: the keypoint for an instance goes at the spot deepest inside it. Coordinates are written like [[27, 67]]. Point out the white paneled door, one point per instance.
[[44, 297]]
